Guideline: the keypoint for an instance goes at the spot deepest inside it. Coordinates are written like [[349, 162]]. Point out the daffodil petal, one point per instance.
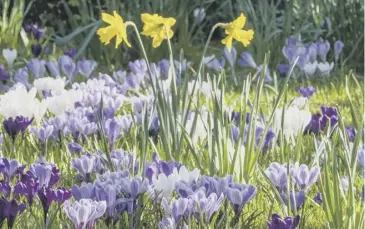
[[107, 18], [240, 22], [244, 37]]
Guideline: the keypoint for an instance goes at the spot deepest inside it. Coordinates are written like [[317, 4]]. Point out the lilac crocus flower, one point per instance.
[[42, 133], [85, 212], [199, 14], [312, 51], [278, 223], [9, 209], [208, 205], [71, 52], [21, 75], [112, 131], [132, 188], [10, 168], [278, 176], [53, 68], [267, 76], [239, 195], [214, 63], [177, 208], [283, 68], [85, 166], [323, 47], [138, 67], [86, 67], [246, 60], [231, 56], [67, 66], [4, 75], [37, 67], [75, 148], [338, 47], [361, 155], [43, 172], [306, 91], [296, 199], [85, 191], [303, 177], [167, 223]]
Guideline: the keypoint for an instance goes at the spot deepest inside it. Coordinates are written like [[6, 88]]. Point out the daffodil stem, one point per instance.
[[207, 45], [130, 23]]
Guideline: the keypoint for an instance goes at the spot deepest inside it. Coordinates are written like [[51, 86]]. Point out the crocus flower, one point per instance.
[[36, 49], [132, 188], [323, 48], [318, 198], [338, 47], [306, 91], [75, 148], [246, 60], [10, 55], [42, 133], [85, 191], [231, 56], [10, 168], [27, 187], [283, 68], [4, 75], [84, 166], [351, 133], [112, 131], [163, 186], [5, 188], [71, 52], [116, 29], [67, 66], [86, 67], [239, 195], [21, 75], [325, 68], [214, 63], [43, 172], [37, 67], [53, 68], [234, 30], [278, 175], [37, 32], [14, 126], [208, 205], [155, 26], [304, 178], [177, 208], [9, 209], [310, 68], [278, 223], [85, 212], [361, 155], [199, 14], [296, 199]]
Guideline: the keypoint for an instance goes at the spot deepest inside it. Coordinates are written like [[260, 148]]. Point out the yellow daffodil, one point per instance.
[[116, 29], [154, 26], [234, 30]]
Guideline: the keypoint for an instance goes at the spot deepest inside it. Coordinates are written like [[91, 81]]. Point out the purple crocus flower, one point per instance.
[[317, 124], [4, 75], [10, 168], [323, 47], [9, 209], [338, 47], [37, 67], [86, 67], [42, 133], [28, 188], [71, 52], [37, 32], [53, 68], [296, 199], [239, 195], [36, 49], [278, 223], [27, 28], [246, 60], [67, 66], [331, 114], [303, 177], [5, 188], [306, 91], [14, 126]]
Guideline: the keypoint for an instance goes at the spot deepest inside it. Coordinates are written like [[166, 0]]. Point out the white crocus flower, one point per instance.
[[163, 185], [49, 84], [65, 101], [310, 68], [325, 68], [185, 175], [18, 101], [296, 118], [10, 55]]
